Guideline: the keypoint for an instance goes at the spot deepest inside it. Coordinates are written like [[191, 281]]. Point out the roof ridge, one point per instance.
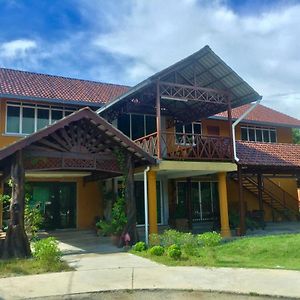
[[64, 77]]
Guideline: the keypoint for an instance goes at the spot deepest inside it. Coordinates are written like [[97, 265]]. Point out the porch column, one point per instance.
[[152, 202], [222, 186]]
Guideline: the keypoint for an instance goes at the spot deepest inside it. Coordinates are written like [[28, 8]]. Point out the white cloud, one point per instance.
[[263, 49], [17, 49]]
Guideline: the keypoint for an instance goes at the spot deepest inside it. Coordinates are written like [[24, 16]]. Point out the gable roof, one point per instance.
[[211, 72], [268, 154], [35, 86], [105, 129], [261, 115]]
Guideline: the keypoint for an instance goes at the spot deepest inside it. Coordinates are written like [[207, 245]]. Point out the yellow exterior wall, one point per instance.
[[89, 200], [89, 203]]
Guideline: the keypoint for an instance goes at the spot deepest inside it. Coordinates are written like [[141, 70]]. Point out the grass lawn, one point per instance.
[[19, 267], [276, 252]]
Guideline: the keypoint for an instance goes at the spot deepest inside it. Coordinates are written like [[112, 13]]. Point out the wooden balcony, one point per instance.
[[181, 146]]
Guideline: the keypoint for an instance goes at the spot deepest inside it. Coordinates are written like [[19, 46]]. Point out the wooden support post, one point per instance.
[[130, 201], [158, 120], [189, 202], [222, 186], [229, 113], [16, 244], [152, 200], [242, 224]]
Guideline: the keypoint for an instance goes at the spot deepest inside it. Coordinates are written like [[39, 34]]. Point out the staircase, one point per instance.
[[273, 195]]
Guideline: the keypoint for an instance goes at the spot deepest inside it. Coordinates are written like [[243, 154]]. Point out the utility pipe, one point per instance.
[[146, 204], [237, 121]]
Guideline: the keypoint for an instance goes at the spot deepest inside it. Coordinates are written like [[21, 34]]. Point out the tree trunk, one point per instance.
[[130, 227], [16, 244]]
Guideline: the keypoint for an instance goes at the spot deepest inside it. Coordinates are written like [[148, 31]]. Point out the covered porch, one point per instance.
[[70, 159], [178, 98]]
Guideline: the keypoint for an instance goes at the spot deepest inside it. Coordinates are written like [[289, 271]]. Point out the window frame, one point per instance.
[[35, 106], [183, 133], [199, 183], [144, 121], [262, 129]]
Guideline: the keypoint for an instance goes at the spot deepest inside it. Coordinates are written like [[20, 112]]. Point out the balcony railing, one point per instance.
[[185, 146]]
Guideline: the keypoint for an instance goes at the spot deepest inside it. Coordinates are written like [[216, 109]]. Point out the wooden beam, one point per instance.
[[158, 120]]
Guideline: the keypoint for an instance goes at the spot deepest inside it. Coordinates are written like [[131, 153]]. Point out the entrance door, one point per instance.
[[57, 202]]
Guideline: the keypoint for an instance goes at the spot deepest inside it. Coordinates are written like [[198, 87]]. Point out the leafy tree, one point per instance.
[[296, 135]]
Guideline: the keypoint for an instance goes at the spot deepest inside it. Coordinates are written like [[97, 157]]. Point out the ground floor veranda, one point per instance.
[[188, 196]]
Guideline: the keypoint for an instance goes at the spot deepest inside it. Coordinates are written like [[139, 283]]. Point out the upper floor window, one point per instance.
[[185, 133], [26, 118], [136, 126], [259, 134]]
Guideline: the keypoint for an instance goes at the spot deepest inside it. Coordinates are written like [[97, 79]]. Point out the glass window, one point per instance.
[[266, 136], [137, 126], [42, 118], [197, 128], [150, 124], [251, 134], [259, 137], [244, 132], [13, 119], [68, 112], [273, 136], [188, 128], [124, 124], [56, 115], [28, 120]]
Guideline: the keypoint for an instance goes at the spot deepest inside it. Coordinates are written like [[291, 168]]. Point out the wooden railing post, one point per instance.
[[230, 126], [158, 120]]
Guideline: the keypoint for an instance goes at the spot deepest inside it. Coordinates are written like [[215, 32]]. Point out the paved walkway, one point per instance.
[[124, 271]]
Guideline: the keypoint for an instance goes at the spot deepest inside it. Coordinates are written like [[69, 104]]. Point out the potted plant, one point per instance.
[[115, 226], [181, 221]]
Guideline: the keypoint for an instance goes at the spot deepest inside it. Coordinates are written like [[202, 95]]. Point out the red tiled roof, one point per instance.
[[268, 154], [262, 114], [21, 83]]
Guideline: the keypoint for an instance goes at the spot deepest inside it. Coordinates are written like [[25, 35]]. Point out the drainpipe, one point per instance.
[[146, 204], [245, 114]]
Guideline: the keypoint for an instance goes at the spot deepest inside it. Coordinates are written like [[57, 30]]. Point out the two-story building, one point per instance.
[[217, 151]]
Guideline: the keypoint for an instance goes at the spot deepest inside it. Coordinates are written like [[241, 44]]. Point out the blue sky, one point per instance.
[[124, 41]]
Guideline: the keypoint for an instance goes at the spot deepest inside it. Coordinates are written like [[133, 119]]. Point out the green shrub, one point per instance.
[[174, 252], [188, 243], [154, 240], [209, 239], [33, 219], [118, 219], [170, 237], [46, 250], [139, 247], [157, 250]]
